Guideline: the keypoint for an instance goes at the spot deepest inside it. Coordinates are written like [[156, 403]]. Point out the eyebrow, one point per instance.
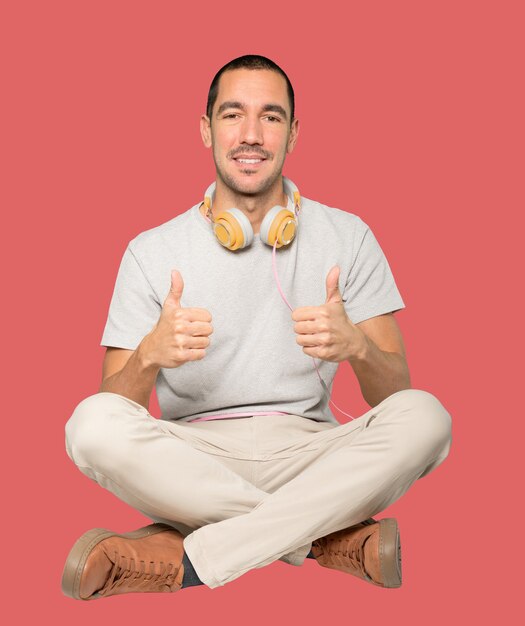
[[232, 104]]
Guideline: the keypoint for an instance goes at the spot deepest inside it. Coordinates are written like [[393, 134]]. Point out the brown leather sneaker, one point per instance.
[[370, 550], [103, 563]]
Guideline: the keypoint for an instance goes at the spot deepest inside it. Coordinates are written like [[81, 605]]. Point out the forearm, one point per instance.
[[135, 380], [380, 374]]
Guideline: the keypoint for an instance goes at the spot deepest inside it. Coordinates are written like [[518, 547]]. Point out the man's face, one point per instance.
[[250, 120]]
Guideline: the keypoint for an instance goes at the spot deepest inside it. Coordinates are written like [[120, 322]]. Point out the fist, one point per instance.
[[326, 332], [181, 334]]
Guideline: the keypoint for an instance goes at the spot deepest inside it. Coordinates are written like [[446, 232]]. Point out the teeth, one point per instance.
[[249, 160]]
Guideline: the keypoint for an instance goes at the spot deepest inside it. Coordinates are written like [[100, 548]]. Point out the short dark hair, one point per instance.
[[250, 62]]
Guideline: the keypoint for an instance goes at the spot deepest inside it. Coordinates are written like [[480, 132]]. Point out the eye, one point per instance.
[[273, 118], [230, 115]]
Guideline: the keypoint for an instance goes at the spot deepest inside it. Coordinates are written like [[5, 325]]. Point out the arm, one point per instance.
[[374, 347], [127, 373], [381, 367], [180, 335]]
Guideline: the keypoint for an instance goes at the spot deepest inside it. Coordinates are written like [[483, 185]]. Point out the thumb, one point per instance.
[[332, 286], [176, 288]]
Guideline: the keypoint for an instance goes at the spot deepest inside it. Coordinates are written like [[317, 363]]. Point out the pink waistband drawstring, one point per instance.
[[225, 415]]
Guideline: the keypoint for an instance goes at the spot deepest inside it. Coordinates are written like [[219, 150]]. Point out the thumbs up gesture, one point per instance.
[[181, 334], [325, 331]]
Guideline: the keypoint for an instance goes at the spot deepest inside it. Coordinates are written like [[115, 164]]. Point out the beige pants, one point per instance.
[[245, 492]]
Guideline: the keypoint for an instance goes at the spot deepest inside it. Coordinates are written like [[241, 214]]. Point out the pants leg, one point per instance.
[[349, 473], [118, 444]]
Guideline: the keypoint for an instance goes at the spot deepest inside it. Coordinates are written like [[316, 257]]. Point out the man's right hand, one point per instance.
[[180, 335]]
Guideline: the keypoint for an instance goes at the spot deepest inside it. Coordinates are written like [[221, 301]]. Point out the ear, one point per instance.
[[205, 126], [294, 133]]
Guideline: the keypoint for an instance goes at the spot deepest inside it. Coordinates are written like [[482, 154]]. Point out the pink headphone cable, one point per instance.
[[327, 392], [323, 384]]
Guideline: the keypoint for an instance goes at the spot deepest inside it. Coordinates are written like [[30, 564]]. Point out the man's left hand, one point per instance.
[[325, 331]]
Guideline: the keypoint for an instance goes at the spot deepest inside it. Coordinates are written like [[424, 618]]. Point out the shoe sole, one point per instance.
[[83, 547], [390, 552]]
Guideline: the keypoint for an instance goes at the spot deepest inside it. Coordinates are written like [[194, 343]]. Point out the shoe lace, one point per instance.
[[347, 549], [126, 573]]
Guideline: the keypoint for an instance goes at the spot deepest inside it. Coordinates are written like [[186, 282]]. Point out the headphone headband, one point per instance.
[[290, 189]]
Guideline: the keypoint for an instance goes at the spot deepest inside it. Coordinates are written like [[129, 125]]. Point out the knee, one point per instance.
[[429, 423], [92, 426]]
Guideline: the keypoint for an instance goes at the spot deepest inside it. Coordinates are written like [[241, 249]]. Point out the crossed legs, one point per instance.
[[233, 526]]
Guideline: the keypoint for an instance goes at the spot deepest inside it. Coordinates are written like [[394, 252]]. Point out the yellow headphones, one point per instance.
[[234, 230]]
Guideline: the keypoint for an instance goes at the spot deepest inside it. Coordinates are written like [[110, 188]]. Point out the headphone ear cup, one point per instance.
[[233, 229], [278, 224]]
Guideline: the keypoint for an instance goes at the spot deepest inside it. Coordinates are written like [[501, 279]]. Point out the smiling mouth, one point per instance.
[[251, 163]]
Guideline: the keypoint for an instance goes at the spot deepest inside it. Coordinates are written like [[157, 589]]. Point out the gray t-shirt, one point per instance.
[[253, 362]]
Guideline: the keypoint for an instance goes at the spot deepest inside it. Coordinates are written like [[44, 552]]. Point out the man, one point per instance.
[[247, 464]]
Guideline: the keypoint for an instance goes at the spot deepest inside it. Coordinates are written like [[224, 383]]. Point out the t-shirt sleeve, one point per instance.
[[134, 307], [370, 289]]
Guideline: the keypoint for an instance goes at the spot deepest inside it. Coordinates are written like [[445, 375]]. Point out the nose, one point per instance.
[[251, 131]]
